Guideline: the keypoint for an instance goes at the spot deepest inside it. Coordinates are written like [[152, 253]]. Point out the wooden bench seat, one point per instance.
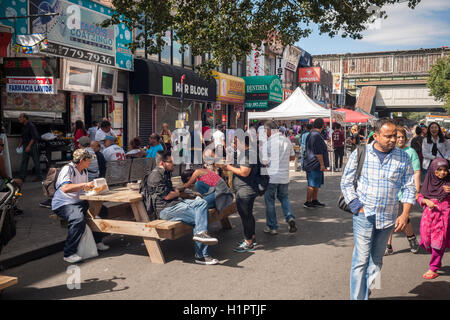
[[6, 282], [158, 229]]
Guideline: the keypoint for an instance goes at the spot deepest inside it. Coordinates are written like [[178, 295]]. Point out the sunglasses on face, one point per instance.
[[2, 145]]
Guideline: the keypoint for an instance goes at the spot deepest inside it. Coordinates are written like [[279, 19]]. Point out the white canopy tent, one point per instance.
[[297, 107]]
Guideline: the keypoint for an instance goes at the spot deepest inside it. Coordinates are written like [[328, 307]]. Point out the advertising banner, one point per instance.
[[291, 57], [76, 32], [309, 74], [337, 83], [40, 85], [257, 61], [229, 88]]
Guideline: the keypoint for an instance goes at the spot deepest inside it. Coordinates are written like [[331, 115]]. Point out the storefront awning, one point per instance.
[[230, 89], [262, 91], [159, 79]]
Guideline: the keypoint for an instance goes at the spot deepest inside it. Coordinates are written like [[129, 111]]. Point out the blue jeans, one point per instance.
[[203, 188], [193, 213], [282, 193], [368, 252], [74, 215]]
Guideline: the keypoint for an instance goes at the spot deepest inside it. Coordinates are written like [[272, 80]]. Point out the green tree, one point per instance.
[[439, 81], [228, 29]]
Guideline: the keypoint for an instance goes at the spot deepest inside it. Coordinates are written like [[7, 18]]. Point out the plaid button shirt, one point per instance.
[[380, 183]]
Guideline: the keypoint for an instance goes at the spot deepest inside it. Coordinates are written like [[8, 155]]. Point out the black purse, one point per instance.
[[361, 157]]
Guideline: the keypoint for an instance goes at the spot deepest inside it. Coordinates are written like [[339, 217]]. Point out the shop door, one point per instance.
[[96, 108]]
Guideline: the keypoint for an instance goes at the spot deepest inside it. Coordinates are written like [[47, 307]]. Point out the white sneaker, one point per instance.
[[73, 258], [271, 231], [102, 247]]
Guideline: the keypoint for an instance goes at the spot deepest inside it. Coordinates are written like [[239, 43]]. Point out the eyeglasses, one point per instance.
[[2, 145]]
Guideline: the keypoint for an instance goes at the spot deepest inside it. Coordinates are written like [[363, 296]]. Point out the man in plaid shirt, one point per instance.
[[374, 204]]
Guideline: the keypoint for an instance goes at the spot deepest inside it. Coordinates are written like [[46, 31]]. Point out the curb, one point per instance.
[[31, 255]]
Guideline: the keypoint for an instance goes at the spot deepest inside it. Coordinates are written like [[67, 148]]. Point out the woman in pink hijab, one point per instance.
[[434, 197]]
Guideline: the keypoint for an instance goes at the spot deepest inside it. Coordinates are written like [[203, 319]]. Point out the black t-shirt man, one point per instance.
[[315, 145]]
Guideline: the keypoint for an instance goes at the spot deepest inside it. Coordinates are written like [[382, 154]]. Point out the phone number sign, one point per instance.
[[76, 53]]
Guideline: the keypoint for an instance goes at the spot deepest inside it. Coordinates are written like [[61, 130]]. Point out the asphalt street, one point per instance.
[[313, 263]]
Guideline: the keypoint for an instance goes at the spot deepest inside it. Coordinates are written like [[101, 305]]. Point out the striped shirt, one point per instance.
[[379, 184]]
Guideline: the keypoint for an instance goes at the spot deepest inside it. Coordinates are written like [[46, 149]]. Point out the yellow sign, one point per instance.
[[229, 88], [179, 124]]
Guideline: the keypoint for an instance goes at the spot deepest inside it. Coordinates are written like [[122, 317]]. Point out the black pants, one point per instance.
[[338, 157], [245, 199]]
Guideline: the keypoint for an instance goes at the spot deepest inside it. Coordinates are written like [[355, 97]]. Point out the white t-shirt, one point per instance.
[[113, 152], [68, 174], [279, 158], [218, 138]]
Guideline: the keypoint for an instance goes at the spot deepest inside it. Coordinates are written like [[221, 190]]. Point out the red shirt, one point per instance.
[[338, 138], [80, 133]]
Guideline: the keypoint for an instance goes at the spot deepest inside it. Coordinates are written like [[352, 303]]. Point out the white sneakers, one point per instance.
[[102, 247], [271, 231], [76, 258], [73, 258]]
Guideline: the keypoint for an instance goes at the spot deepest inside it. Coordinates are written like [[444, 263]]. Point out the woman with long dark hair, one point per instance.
[[80, 131], [434, 145]]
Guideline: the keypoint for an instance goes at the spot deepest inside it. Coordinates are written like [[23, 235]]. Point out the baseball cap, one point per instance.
[[81, 154], [110, 138], [84, 141]]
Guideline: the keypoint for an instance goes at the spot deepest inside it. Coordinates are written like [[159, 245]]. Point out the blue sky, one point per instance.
[[427, 26]]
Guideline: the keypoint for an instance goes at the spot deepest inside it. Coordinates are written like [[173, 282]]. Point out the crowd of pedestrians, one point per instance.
[[399, 168]]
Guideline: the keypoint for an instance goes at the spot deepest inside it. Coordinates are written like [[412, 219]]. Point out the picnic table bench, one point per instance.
[[126, 214], [6, 282], [135, 222]]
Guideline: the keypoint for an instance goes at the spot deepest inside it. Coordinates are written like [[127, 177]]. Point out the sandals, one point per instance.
[[430, 276]]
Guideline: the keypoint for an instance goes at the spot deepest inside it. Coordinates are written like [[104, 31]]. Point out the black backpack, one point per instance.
[[149, 199], [262, 180]]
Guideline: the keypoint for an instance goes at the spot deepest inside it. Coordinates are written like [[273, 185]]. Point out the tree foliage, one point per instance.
[[227, 29], [439, 81]]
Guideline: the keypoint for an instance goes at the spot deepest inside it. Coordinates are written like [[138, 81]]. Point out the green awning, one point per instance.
[[260, 91]]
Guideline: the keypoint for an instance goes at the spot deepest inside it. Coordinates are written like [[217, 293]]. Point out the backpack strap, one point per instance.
[[361, 156]]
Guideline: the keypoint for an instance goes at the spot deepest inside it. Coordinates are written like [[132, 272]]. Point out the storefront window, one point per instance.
[[167, 50], [177, 56], [234, 68], [187, 57]]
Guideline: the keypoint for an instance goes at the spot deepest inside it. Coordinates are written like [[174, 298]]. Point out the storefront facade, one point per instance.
[[230, 94], [163, 98], [262, 93]]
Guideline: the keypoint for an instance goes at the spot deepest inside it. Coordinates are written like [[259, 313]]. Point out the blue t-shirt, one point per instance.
[[381, 155], [151, 152], [315, 145]]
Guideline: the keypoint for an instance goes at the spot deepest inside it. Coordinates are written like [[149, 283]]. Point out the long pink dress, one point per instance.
[[434, 225]]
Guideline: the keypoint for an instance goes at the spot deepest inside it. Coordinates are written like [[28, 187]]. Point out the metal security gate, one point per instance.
[[145, 118]]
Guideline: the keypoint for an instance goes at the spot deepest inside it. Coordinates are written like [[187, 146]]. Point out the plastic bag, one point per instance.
[[87, 248], [48, 136], [19, 150]]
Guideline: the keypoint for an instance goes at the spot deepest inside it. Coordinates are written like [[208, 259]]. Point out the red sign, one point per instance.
[[309, 74], [287, 93]]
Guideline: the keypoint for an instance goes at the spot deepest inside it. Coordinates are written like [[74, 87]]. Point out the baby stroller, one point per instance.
[[7, 206]]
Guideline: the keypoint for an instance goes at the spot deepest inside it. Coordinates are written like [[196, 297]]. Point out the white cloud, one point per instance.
[[406, 27]]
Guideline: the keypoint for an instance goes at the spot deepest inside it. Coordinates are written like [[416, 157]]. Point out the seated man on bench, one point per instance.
[[66, 203], [171, 207]]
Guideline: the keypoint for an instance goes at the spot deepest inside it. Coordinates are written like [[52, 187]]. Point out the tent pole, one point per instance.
[[332, 158]]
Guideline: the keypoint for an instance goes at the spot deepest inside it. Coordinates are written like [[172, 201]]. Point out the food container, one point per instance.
[[134, 186], [100, 187]]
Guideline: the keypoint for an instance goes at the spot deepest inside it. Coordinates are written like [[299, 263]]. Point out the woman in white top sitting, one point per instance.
[[434, 145]]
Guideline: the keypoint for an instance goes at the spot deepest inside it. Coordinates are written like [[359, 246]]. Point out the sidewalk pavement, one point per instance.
[[37, 235]]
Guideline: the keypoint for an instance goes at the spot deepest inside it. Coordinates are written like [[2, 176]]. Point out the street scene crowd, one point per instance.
[[389, 169]]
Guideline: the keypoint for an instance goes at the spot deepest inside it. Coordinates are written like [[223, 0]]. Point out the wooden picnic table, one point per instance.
[[135, 222]]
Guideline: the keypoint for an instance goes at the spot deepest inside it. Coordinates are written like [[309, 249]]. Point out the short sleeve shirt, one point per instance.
[[315, 145], [113, 153], [279, 151], [69, 174], [151, 152]]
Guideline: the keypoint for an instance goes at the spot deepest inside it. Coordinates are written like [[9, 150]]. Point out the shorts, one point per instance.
[[315, 178]]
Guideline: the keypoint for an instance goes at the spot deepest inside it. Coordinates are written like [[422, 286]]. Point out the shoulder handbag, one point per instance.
[[448, 161], [361, 157]]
